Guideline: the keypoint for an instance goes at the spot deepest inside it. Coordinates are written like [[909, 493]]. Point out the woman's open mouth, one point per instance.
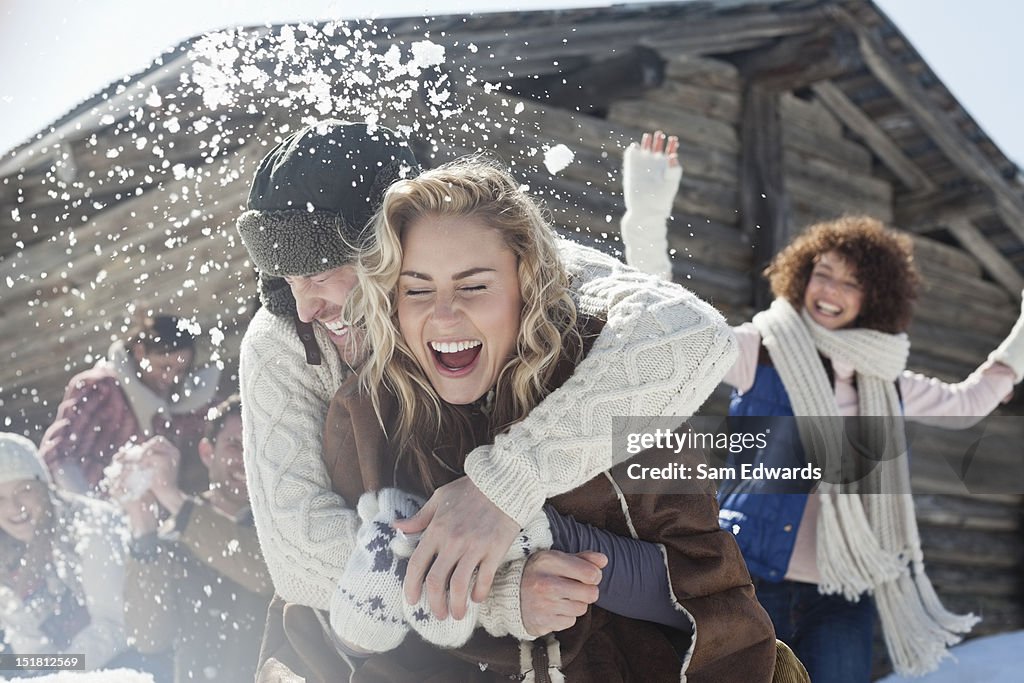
[[827, 308], [456, 358]]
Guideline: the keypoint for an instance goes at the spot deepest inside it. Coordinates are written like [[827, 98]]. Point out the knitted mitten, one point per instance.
[[648, 186], [500, 614], [366, 608], [1011, 351]]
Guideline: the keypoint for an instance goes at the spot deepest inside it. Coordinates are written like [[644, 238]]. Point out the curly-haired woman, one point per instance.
[[833, 345], [468, 312]]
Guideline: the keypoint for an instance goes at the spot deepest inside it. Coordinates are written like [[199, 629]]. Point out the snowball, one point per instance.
[[135, 480], [557, 158]]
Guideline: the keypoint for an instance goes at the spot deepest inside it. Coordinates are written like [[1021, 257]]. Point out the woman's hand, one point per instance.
[[463, 532], [650, 180], [558, 588], [655, 144]]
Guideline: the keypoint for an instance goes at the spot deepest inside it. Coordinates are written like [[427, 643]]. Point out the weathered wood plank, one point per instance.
[[1001, 270], [763, 193], [837, 150], [830, 202], [880, 143], [947, 342], [714, 104], [943, 130], [970, 548], [837, 180], [978, 513], [931, 254], [923, 212], [688, 126], [944, 306], [704, 72], [800, 60], [810, 114], [976, 581]]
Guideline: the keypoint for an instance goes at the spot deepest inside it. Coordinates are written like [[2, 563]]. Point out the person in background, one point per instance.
[[62, 564], [146, 386], [833, 344], [196, 583]]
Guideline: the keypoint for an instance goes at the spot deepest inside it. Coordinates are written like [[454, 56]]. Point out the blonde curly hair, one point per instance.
[[476, 187]]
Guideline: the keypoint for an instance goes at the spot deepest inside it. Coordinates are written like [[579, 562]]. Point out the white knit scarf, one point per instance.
[[867, 533]]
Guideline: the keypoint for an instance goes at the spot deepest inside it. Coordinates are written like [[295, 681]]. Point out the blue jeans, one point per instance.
[[831, 635]]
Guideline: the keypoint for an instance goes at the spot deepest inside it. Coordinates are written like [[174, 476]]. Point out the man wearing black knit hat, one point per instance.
[[661, 352], [311, 200]]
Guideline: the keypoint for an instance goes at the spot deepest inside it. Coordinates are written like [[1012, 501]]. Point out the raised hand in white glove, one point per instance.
[[650, 180], [1011, 352]]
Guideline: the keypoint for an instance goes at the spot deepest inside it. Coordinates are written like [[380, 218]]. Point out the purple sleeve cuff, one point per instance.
[[635, 582]]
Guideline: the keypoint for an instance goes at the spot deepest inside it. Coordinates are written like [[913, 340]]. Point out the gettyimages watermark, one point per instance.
[[785, 454]]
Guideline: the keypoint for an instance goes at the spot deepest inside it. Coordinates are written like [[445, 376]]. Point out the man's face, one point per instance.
[[162, 371], [223, 458], [321, 297], [24, 508]]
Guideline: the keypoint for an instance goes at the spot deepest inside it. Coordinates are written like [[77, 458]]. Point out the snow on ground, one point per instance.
[[993, 659], [108, 676]]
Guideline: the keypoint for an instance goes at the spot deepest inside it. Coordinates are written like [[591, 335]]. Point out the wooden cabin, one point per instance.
[[788, 111]]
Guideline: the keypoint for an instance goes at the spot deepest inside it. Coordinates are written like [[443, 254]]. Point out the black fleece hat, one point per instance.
[[311, 199]]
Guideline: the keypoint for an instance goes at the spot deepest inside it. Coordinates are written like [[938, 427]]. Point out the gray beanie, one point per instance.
[[312, 198], [19, 459]]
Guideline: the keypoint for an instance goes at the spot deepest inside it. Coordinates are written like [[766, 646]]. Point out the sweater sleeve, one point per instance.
[[929, 400], [661, 353], [743, 372], [634, 583], [305, 530]]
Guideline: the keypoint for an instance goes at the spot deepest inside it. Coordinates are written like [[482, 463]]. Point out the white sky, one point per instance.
[[56, 53]]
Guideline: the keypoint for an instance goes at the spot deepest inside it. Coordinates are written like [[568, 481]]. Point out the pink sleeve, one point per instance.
[[741, 374], [976, 396], [90, 425], [72, 433]]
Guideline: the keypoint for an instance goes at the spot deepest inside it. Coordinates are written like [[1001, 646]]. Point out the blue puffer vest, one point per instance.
[[765, 515]]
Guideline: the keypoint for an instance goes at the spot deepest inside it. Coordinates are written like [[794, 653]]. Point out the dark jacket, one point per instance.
[[204, 593], [765, 522]]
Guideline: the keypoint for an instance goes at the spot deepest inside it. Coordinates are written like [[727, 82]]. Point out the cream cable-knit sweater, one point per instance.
[[662, 352]]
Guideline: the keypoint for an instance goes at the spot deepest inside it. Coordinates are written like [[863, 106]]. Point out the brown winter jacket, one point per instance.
[[734, 642], [204, 594]]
